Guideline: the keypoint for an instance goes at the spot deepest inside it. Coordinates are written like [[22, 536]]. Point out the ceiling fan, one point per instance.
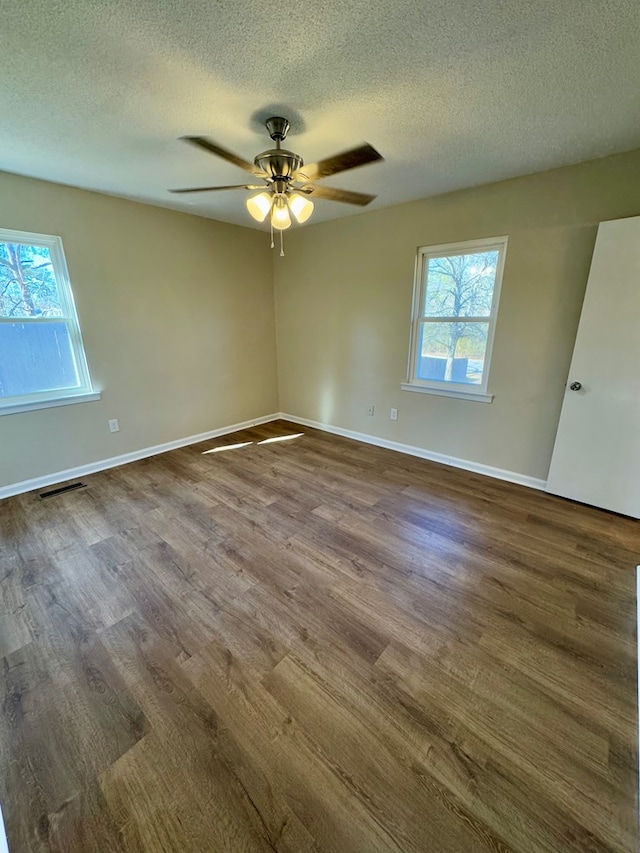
[[288, 185]]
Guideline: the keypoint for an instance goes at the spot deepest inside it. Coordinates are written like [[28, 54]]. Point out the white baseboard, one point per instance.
[[443, 459], [114, 461]]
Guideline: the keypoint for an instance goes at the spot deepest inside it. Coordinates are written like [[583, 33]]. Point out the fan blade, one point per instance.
[[351, 159], [211, 189], [219, 151], [332, 194]]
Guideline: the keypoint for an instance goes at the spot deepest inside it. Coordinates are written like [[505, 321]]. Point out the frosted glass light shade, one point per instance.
[[300, 206], [259, 206], [280, 218]]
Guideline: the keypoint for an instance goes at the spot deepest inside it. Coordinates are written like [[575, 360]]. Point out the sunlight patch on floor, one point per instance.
[[281, 438], [227, 447]]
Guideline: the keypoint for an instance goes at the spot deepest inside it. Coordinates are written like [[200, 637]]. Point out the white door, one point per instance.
[[596, 457]]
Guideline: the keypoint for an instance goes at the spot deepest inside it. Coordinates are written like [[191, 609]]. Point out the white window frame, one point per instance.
[[84, 392], [464, 391]]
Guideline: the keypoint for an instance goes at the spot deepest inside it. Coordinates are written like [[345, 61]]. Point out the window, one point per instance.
[[42, 360], [455, 303]]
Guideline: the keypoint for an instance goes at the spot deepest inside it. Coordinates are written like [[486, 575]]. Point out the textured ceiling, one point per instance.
[[453, 93]]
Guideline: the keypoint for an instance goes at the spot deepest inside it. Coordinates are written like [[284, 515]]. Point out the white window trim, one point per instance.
[[454, 391], [14, 408], [63, 396], [463, 391]]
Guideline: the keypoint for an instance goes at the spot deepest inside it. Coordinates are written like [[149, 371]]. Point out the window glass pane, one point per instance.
[[452, 352], [35, 357], [27, 282], [460, 285]]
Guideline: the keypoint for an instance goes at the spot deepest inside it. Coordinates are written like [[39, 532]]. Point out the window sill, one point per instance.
[[14, 408], [475, 396]]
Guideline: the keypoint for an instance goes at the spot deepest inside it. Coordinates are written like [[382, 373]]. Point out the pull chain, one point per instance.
[[281, 245], [271, 223]]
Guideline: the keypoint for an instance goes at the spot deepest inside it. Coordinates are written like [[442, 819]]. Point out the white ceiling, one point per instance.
[[454, 93]]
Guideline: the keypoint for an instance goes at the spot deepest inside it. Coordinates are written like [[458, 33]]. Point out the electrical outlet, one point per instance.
[[394, 415], [114, 425], [370, 409]]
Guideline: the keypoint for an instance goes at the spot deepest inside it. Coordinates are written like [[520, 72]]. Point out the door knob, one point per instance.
[[575, 386]]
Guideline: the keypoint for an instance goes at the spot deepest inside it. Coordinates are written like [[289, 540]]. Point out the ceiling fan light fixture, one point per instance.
[[301, 207], [259, 206], [287, 180], [280, 218]]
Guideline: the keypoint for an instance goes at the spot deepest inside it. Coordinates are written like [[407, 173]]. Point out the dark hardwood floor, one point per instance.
[[315, 645]]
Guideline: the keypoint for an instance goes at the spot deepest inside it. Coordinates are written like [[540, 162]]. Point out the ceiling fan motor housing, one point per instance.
[[279, 163], [281, 170]]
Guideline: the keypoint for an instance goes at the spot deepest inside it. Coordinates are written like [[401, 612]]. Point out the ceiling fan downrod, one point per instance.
[[279, 164]]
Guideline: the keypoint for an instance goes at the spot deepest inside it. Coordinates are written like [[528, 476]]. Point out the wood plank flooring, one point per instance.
[[315, 645]]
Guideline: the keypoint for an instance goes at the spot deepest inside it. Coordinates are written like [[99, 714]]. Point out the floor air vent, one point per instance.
[[61, 491]]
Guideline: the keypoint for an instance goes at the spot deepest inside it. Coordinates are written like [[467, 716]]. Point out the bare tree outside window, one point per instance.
[[455, 307], [459, 286], [41, 354], [27, 283]]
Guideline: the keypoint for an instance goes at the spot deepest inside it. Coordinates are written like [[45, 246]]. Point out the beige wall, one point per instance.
[[343, 304], [176, 313], [178, 318]]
